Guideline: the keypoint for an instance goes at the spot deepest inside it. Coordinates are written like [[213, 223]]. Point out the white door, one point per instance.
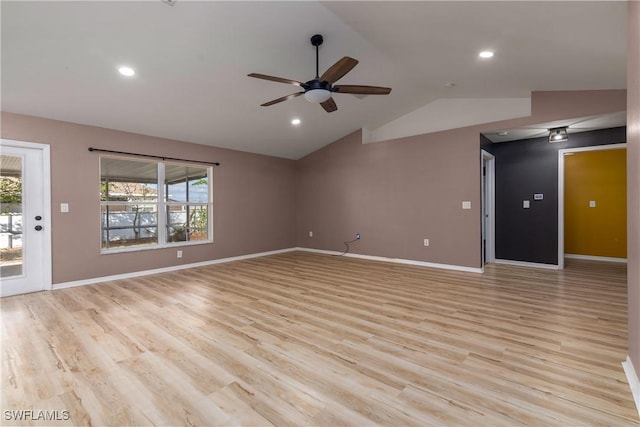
[[24, 218]]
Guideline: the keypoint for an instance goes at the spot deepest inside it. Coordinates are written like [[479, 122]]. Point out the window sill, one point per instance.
[[155, 247]]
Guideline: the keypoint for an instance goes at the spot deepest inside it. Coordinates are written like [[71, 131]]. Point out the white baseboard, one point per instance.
[[596, 258], [165, 269], [634, 381], [526, 264], [397, 260]]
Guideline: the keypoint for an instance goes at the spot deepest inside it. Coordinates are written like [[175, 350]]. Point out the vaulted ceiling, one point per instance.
[[60, 61]]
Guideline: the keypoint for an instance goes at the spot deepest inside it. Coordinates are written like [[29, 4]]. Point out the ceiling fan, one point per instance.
[[319, 89]]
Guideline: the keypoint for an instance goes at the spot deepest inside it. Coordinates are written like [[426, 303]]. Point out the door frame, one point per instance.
[[561, 154], [487, 211], [46, 182]]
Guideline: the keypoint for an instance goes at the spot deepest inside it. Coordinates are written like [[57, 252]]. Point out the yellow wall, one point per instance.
[[600, 176]]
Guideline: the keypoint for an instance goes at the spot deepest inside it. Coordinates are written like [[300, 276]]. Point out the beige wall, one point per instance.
[[254, 198], [397, 193], [633, 181]]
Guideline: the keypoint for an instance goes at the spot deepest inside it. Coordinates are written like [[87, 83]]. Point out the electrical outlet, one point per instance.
[[179, 254], [425, 242], [311, 234], [357, 236]]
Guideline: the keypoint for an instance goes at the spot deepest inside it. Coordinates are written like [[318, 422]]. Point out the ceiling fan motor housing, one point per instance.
[[317, 84]]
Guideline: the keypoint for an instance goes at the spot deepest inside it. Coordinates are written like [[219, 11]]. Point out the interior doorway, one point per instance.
[[487, 181], [561, 193]]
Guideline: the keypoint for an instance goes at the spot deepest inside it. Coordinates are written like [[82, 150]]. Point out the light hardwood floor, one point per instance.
[[306, 339]]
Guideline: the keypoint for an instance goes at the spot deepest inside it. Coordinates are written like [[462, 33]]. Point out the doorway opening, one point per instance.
[[488, 190], [561, 192]]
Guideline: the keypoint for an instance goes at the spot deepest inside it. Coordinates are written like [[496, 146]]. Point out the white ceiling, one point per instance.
[[59, 61]]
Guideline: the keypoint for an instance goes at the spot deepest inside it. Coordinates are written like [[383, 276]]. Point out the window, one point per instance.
[[153, 204], [186, 202]]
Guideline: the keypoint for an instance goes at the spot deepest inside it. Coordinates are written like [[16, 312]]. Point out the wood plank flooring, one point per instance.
[[306, 339]]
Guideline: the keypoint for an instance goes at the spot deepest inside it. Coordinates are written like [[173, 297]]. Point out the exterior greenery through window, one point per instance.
[[154, 204]]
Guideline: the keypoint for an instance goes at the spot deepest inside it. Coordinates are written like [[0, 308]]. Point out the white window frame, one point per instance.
[[161, 208]]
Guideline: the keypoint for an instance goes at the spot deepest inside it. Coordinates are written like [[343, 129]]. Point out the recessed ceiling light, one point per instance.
[[295, 122], [126, 71], [486, 54]]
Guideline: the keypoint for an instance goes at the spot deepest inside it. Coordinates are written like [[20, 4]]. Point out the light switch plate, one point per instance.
[[592, 203]]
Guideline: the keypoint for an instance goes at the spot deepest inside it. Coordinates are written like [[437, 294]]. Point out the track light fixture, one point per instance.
[[558, 134]]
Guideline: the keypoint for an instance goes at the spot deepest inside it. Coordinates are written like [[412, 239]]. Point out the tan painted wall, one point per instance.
[[395, 195], [633, 181], [599, 176], [399, 192], [254, 198]]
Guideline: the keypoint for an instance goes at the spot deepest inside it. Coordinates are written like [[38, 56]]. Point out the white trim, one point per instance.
[[46, 178], [596, 258], [166, 269], [397, 260], [561, 154], [634, 381], [527, 264], [46, 171]]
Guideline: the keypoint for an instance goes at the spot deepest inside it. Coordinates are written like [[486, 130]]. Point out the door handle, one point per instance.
[[38, 227]]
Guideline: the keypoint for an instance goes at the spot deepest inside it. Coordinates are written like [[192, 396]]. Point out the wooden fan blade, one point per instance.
[[363, 90], [284, 98], [275, 79], [329, 105], [338, 70]]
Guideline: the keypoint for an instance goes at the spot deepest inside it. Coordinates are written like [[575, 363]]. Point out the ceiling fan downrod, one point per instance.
[[316, 41]]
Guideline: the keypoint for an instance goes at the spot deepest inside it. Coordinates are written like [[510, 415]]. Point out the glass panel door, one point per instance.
[[11, 209], [25, 263]]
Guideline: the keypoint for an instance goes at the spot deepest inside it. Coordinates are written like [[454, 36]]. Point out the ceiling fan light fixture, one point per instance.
[[317, 96], [559, 134]]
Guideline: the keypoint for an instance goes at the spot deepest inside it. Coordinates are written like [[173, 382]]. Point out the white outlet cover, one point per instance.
[[64, 207], [426, 242], [525, 204], [311, 234], [592, 203], [466, 205], [538, 196]]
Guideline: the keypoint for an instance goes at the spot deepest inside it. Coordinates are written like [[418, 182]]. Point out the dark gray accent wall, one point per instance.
[[526, 167]]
